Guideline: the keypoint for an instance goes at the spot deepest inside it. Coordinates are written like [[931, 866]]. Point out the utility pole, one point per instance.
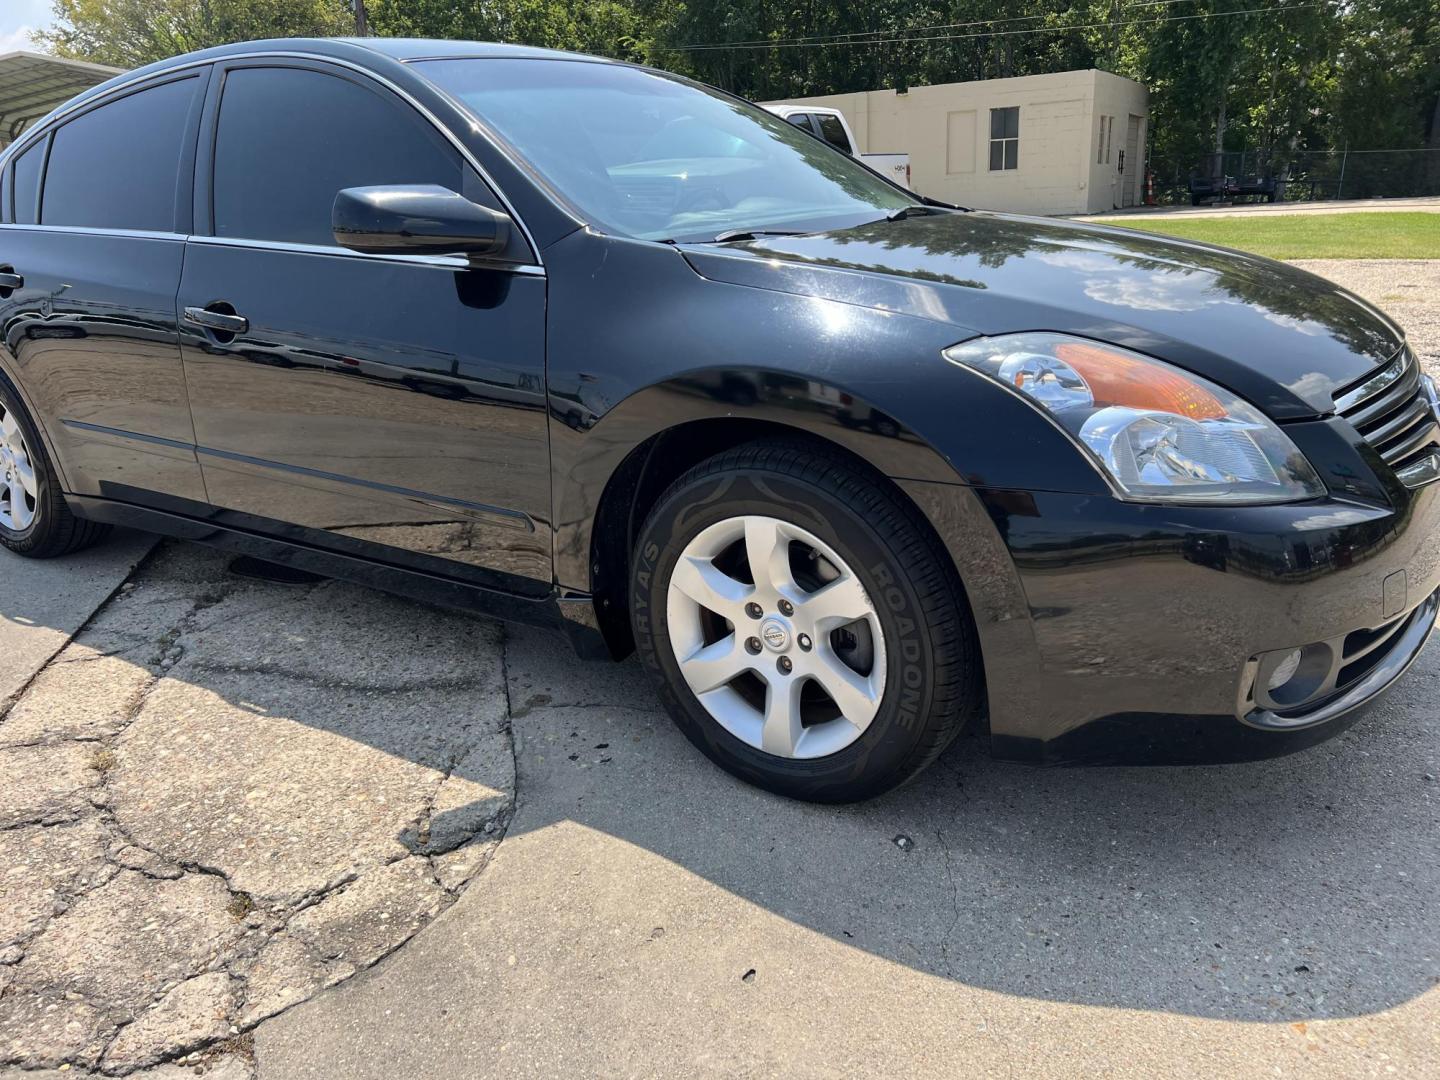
[[1114, 35], [362, 22]]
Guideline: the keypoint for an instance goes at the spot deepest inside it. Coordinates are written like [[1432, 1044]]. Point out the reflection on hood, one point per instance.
[[1227, 315]]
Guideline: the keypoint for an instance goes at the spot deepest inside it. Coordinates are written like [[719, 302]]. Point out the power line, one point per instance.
[[816, 43], [827, 38], [1155, 3]]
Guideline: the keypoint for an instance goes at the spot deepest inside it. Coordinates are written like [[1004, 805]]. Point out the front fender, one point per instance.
[[589, 448], [639, 343]]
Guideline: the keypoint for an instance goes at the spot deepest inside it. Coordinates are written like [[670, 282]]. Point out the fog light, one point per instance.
[[1289, 678], [1284, 671]]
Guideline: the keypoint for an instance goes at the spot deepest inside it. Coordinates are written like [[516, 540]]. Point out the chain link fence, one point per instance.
[[1302, 175]]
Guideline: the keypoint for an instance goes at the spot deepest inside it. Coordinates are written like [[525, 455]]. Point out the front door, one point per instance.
[[392, 406]]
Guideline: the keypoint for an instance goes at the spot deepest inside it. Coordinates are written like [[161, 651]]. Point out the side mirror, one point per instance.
[[416, 219]]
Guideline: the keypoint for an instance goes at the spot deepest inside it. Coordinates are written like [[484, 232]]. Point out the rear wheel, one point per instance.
[[803, 627], [34, 520]]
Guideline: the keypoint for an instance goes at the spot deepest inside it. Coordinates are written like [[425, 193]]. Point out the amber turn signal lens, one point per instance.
[[1118, 378]]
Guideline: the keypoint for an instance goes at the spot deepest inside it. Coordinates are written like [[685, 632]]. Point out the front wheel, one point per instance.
[[803, 626]]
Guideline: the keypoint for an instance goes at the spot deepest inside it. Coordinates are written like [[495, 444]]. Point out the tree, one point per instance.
[[1296, 77], [1225, 78], [602, 27], [128, 33]]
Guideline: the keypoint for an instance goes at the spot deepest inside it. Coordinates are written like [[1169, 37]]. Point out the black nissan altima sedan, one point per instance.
[[587, 345]]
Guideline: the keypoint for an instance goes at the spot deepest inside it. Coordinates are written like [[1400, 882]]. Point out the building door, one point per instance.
[[1130, 181]]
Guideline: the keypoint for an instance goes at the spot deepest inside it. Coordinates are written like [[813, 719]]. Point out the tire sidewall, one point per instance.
[[883, 751], [32, 534]]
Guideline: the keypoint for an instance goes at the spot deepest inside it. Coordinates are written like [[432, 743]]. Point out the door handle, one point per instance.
[[11, 280], [220, 321]]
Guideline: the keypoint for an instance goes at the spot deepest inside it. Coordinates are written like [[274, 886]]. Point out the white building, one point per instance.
[[1068, 143]]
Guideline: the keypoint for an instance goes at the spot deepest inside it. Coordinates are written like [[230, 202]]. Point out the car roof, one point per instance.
[[405, 49], [353, 50]]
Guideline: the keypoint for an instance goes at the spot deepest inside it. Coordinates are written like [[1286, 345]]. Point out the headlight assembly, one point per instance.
[[1159, 433]]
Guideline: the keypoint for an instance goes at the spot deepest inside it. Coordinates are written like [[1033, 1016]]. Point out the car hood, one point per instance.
[[1283, 338]]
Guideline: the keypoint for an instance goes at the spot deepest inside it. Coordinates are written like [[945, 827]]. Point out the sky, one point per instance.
[[18, 18]]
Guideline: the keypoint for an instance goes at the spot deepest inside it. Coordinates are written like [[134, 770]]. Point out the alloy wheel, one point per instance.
[[19, 491], [776, 637]]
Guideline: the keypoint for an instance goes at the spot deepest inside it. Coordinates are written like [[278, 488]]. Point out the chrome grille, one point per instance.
[[1394, 410]]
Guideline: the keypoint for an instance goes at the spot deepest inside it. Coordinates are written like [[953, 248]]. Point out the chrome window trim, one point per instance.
[[449, 262], [86, 230], [446, 262], [47, 123]]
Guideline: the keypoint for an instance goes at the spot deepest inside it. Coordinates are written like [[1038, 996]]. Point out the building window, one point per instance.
[[1004, 138], [1106, 138]]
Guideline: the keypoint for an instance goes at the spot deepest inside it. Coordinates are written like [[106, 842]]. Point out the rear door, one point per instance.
[[391, 406], [99, 208], [832, 130], [804, 121]]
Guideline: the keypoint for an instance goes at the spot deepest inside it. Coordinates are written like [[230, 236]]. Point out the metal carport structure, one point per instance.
[[31, 84]]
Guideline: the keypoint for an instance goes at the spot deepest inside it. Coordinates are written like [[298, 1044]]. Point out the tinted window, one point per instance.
[[289, 140], [655, 156], [833, 131], [687, 139], [27, 182], [115, 167]]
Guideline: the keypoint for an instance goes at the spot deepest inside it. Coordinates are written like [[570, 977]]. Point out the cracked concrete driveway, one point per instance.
[[226, 805], [225, 795]]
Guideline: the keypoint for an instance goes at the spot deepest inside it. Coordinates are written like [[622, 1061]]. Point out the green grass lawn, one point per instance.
[[1309, 236]]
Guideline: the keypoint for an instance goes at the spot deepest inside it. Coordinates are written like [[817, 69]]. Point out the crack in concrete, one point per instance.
[[42, 823], [274, 671], [8, 703], [264, 924], [954, 901]]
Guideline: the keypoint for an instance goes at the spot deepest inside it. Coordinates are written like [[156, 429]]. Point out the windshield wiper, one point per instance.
[[909, 211], [749, 234]]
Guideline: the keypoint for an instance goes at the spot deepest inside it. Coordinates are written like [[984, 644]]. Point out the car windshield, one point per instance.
[[657, 157]]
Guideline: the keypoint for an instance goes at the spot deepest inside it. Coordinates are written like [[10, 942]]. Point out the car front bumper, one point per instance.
[[1118, 632]]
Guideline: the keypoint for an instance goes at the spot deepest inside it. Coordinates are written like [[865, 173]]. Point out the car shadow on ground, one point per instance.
[[1300, 888], [1297, 888]]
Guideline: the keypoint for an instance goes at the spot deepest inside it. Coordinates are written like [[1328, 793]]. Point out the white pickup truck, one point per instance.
[[830, 125]]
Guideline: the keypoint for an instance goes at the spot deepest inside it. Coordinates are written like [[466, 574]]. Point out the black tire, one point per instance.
[[935, 685], [55, 530]]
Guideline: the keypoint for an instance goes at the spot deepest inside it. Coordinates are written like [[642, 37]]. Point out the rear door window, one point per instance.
[[833, 131], [27, 182], [289, 139], [116, 166]]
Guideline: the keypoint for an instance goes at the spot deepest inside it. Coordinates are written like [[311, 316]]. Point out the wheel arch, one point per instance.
[[610, 474], [17, 387]]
